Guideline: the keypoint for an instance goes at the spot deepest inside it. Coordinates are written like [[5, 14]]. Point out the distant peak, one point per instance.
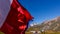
[[54, 19], [57, 18]]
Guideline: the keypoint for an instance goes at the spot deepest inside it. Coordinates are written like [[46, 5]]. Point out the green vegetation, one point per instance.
[[1, 32], [44, 33]]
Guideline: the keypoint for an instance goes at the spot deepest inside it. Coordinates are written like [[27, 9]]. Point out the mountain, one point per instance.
[[53, 24]]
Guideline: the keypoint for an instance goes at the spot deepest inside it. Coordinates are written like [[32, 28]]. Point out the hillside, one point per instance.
[[53, 24]]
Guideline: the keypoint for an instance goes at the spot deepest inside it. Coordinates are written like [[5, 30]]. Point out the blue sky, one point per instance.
[[42, 10]]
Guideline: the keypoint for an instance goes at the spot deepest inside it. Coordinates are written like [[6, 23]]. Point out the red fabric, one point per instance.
[[17, 19]]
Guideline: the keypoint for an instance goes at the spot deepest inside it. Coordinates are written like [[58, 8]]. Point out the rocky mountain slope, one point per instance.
[[53, 24]]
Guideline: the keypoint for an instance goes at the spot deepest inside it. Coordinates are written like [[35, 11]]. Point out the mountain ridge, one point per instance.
[[53, 24]]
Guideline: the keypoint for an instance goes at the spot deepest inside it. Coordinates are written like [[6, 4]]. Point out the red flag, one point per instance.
[[16, 20]]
